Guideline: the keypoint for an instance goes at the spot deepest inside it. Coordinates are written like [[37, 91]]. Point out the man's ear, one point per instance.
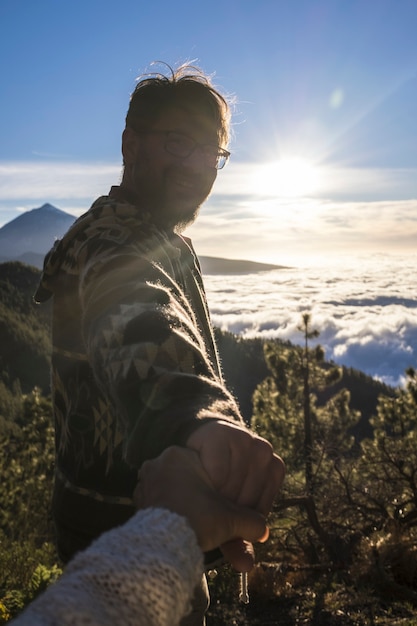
[[129, 145]]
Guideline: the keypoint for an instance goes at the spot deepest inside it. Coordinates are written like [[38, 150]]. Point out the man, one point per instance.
[[135, 368]]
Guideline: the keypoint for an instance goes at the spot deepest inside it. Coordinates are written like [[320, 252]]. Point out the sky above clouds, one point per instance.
[[324, 148]]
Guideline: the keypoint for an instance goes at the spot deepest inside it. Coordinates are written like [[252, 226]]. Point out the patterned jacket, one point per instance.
[[134, 364]]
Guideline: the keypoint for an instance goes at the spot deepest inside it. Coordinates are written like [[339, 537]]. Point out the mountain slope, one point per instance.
[[214, 265]]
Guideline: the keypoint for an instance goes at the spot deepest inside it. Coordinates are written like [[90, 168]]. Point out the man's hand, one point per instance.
[[240, 465], [176, 481], [244, 469]]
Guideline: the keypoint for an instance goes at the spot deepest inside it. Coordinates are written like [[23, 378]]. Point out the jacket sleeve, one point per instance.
[[143, 573], [146, 349]]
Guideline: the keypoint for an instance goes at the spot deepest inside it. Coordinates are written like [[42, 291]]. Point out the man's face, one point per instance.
[[170, 187]]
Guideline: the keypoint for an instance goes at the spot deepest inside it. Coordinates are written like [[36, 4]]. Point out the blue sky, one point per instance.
[[325, 126]]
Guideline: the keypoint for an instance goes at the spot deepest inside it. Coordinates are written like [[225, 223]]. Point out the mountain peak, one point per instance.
[[33, 231], [48, 207]]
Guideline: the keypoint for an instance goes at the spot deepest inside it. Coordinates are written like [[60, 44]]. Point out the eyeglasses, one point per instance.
[[182, 146]]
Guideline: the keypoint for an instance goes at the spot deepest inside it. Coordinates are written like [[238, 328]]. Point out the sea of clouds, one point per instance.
[[364, 309]]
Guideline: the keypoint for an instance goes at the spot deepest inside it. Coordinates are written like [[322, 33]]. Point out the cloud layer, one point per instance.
[[366, 312]]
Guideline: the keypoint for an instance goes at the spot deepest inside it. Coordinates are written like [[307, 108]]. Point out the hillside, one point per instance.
[[214, 265], [25, 349], [343, 570], [24, 330]]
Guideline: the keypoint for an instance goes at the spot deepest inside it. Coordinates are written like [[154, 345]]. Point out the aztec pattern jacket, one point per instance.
[[134, 365]]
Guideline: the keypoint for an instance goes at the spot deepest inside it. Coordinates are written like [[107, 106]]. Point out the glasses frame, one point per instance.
[[222, 154]]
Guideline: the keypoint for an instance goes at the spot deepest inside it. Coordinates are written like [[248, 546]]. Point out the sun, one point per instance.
[[291, 177]]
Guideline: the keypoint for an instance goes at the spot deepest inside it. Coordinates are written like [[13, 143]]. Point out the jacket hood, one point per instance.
[[58, 253]]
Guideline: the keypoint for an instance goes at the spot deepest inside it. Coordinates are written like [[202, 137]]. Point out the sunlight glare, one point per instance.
[[291, 177]]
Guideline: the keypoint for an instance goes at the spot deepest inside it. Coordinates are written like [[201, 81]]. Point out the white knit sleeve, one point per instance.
[[141, 574]]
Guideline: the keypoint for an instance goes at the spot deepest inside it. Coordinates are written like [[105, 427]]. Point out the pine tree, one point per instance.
[[315, 444], [388, 489]]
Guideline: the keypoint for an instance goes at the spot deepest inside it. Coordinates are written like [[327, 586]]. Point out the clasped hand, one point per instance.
[[243, 468], [224, 484]]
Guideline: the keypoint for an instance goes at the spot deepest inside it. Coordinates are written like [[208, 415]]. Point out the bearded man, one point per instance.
[[134, 366]]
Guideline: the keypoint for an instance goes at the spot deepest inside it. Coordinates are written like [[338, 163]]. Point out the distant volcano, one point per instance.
[[33, 232]]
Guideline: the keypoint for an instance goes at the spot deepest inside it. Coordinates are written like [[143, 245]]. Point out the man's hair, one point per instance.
[[186, 86]]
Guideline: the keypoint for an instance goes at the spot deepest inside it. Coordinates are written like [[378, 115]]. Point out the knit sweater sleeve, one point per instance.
[[142, 573], [132, 336], [145, 345]]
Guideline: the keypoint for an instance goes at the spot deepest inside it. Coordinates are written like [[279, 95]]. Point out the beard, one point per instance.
[[173, 217], [173, 199], [182, 224]]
